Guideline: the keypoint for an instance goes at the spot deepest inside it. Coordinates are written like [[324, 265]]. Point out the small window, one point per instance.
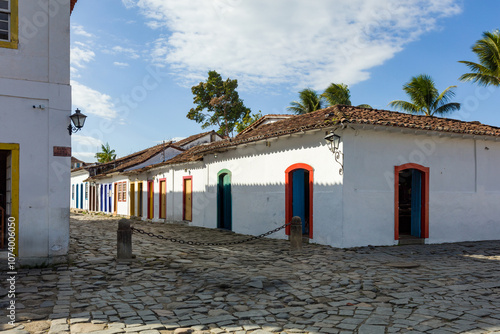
[[72, 191], [8, 23], [119, 192], [124, 190], [5, 20]]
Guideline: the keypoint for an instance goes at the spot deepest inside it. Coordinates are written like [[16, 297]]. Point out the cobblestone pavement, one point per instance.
[[257, 287]]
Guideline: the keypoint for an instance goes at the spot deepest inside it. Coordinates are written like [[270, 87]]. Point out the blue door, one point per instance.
[[76, 202], [101, 197], [224, 202], [105, 198], [81, 196], [416, 203], [300, 197], [109, 197]]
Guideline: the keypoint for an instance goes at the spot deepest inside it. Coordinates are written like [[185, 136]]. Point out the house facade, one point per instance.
[[35, 147], [391, 179], [112, 191], [397, 178]]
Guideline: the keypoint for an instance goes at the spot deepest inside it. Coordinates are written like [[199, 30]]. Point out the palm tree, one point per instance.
[[309, 101], [106, 155], [487, 72], [425, 98], [339, 94]]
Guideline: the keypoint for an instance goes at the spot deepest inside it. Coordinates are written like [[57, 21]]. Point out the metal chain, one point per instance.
[[197, 243]]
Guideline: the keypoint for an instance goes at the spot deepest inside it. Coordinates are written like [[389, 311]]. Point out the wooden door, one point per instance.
[[163, 199], [139, 199], [150, 199], [132, 199], [115, 197], [188, 199], [224, 201]]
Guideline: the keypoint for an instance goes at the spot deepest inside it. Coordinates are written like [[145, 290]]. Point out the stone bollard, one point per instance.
[[296, 235], [124, 240]]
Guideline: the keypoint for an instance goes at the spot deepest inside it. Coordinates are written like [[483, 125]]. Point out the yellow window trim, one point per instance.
[[14, 27], [14, 148]]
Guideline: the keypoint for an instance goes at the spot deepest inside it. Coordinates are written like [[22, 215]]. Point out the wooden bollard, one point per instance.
[[124, 240], [296, 234]]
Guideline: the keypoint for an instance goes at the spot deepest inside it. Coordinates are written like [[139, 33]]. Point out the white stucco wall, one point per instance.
[[258, 186], [77, 179], [463, 185], [28, 77]]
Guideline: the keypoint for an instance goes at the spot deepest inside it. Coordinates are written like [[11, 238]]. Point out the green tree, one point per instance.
[[339, 94], [487, 71], [425, 98], [106, 154], [309, 101], [247, 120], [218, 104]]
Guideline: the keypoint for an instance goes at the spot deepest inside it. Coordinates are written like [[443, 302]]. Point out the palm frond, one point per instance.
[[446, 108], [337, 94], [405, 106]]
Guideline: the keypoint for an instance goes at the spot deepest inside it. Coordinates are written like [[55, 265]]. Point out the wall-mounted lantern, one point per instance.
[[333, 142], [78, 120]]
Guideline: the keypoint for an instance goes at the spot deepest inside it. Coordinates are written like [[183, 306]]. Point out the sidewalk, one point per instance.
[[256, 287]]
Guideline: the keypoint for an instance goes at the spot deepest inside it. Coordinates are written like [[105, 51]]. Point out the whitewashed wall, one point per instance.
[[28, 77], [258, 186], [464, 188], [77, 179]]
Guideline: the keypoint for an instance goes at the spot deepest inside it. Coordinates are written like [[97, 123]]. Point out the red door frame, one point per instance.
[[184, 197], [159, 198], [425, 198], [289, 195], [151, 207]]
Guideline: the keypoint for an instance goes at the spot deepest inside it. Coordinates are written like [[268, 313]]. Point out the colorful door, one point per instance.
[[416, 203], [411, 201], [110, 187], [163, 199], [150, 199], [139, 199], [132, 199], [115, 199], [300, 197], [188, 199], [299, 180], [105, 198], [81, 196], [224, 201], [77, 202]]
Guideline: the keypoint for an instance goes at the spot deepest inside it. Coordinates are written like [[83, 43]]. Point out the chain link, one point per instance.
[[197, 243]]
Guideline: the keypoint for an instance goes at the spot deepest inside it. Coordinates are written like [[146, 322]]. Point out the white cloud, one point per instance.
[[80, 55], [78, 30], [129, 52], [92, 102], [85, 147], [303, 42], [119, 64]]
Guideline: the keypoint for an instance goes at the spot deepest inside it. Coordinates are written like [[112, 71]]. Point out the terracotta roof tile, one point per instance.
[[73, 2], [192, 138], [326, 118]]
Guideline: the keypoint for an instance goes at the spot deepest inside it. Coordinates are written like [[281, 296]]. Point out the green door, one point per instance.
[[224, 206]]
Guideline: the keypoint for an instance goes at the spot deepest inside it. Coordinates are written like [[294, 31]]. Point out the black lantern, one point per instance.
[[333, 141], [78, 120]]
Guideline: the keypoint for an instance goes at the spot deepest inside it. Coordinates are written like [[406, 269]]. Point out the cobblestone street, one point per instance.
[[256, 287]]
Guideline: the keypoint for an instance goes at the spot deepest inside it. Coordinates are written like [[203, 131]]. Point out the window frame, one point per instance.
[[13, 13]]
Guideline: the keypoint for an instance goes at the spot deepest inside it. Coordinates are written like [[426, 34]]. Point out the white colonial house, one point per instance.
[[35, 146], [355, 176], [106, 187]]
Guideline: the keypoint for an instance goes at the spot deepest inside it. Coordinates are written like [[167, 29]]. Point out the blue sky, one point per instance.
[[133, 62]]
